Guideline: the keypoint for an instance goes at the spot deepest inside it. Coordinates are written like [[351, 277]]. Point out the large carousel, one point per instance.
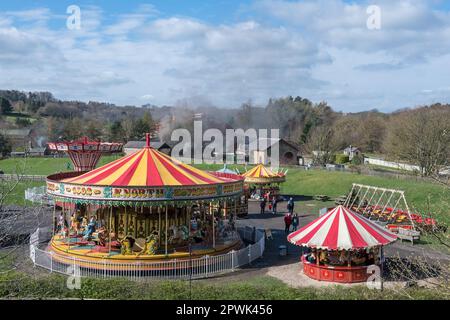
[[342, 245], [143, 207], [260, 181]]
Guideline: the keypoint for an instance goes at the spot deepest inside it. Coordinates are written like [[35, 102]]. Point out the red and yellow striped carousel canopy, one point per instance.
[[261, 174], [148, 168]]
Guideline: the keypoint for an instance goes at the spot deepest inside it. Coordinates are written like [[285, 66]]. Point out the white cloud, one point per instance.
[[321, 50]]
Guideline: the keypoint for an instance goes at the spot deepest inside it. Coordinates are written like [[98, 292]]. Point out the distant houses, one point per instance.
[[20, 138], [261, 150], [38, 152], [352, 152]]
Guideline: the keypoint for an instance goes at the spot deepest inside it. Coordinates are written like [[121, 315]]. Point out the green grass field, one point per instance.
[[42, 166]]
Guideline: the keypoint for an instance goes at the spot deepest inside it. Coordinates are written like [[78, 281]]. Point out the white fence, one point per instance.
[[22, 177], [195, 268], [38, 195], [391, 164]]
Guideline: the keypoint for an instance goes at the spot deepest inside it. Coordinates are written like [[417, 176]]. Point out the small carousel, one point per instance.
[[342, 246], [260, 181], [85, 153], [144, 207]]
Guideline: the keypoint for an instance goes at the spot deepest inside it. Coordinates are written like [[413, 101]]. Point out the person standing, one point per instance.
[[274, 205], [290, 206], [287, 222], [262, 204], [295, 222]]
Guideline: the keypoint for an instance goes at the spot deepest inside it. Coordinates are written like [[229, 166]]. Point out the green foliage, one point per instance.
[[357, 160], [5, 106], [342, 158], [5, 146], [116, 131], [333, 158], [142, 126], [22, 122]]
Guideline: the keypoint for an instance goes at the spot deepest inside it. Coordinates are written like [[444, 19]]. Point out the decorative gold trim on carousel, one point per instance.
[[260, 180], [109, 195]]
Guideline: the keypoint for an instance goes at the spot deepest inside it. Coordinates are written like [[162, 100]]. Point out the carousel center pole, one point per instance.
[[211, 211], [110, 229], [381, 267], [235, 212], [159, 224], [53, 221], [167, 211]]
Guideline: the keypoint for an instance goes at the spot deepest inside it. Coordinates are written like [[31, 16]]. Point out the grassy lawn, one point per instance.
[[12, 117], [42, 166], [21, 285], [17, 196]]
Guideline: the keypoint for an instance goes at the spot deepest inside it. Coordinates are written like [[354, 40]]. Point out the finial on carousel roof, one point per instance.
[[147, 140]]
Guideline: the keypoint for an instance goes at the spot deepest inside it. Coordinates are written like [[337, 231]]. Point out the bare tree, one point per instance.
[[7, 219], [321, 144], [421, 137], [418, 271], [16, 222]]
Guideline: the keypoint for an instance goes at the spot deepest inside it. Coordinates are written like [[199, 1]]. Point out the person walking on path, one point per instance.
[[295, 222], [287, 222], [262, 204], [274, 205], [290, 206]]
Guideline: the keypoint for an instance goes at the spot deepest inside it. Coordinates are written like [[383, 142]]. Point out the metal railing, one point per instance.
[[195, 268], [22, 177]]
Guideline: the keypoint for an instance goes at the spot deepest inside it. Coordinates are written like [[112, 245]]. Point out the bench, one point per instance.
[[410, 235], [321, 197]]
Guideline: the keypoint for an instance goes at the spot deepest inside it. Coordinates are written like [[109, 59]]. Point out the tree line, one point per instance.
[[419, 135]]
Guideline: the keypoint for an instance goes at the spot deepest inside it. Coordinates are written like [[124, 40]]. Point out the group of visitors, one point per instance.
[[343, 257], [272, 204], [291, 218]]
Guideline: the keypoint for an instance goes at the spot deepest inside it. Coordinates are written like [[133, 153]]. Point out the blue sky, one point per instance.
[[226, 52]]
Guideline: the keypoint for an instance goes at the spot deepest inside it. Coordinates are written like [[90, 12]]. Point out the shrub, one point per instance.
[[342, 158], [357, 160]]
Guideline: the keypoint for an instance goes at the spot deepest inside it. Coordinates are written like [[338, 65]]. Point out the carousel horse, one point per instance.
[[61, 222], [84, 223], [151, 245], [194, 224], [74, 223], [176, 236], [184, 233], [64, 232], [127, 246], [102, 236], [90, 229]]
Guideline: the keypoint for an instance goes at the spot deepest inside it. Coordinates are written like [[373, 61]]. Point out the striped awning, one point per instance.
[[341, 229], [147, 168], [261, 174]]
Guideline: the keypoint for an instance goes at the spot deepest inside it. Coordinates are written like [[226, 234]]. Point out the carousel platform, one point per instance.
[[87, 253]]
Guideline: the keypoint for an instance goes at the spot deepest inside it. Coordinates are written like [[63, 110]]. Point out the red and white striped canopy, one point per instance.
[[341, 229]]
